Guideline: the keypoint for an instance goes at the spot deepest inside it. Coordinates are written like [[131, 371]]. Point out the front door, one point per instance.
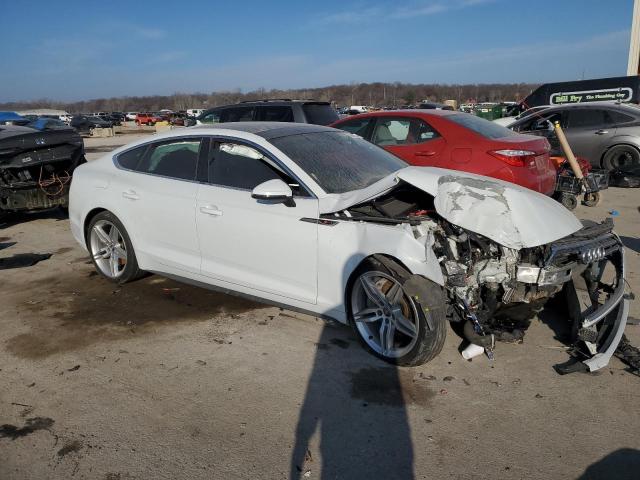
[[412, 139], [251, 243]]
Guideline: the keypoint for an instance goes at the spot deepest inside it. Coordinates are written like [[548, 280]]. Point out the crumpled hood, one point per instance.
[[508, 214]]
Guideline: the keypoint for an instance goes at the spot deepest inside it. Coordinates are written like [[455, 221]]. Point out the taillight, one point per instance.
[[517, 158]]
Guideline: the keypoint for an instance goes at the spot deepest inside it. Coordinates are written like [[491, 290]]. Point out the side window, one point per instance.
[[358, 126], [275, 114], [422, 132], [585, 118], [240, 114], [240, 166], [211, 117], [540, 122], [392, 132], [176, 158], [130, 159], [614, 117]]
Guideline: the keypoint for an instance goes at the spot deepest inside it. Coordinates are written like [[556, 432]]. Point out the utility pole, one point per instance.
[[633, 67]]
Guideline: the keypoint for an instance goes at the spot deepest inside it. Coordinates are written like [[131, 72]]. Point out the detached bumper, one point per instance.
[[599, 327]]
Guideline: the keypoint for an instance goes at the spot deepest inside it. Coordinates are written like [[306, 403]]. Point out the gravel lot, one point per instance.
[[159, 380]]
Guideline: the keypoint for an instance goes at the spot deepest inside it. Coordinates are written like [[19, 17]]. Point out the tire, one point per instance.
[[621, 157], [592, 199], [111, 250], [569, 201], [403, 313]]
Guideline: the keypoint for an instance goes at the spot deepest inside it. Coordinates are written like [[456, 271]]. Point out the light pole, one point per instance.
[[633, 67]]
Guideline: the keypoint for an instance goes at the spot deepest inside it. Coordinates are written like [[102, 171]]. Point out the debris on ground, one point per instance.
[[629, 355]]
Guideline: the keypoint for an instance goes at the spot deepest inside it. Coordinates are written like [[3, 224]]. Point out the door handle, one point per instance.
[[211, 210], [602, 132], [131, 195], [428, 153]]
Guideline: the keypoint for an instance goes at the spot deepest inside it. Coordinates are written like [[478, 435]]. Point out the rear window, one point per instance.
[[480, 126], [319, 114]]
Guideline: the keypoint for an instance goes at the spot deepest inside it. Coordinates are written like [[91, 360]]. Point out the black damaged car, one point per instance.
[[36, 167]]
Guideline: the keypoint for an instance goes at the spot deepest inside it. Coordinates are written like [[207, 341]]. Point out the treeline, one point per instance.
[[373, 94]]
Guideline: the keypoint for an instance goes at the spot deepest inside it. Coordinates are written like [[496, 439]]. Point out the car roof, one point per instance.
[[592, 104], [266, 130], [411, 111]]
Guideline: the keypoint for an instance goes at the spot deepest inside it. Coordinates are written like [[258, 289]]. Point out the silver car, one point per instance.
[[606, 134]]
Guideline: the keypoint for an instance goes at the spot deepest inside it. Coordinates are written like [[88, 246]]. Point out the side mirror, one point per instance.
[[273, 191]]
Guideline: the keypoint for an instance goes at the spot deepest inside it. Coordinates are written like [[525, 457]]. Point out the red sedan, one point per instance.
[[459, 141]]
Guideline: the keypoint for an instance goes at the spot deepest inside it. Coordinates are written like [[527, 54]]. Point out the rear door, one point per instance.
[[156, 190], [410, 138], [588, 130]]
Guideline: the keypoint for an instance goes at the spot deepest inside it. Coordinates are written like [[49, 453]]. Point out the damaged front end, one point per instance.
[[36, 167], [504, 252], [496, 290]]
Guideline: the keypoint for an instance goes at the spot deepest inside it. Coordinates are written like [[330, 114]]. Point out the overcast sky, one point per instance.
[[72, 50]]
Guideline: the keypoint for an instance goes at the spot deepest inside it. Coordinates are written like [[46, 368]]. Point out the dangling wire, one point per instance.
[[48, 183]]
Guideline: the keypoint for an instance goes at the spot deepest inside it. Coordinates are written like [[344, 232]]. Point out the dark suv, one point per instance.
[[280, 110], [605, 133]]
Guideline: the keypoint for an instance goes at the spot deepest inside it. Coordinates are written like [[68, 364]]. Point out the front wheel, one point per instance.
[[111, 249], [400, 328]]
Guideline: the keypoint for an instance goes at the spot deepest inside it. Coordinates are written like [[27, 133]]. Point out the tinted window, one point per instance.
[[240, 114], [211, 117], [585, 117], [357, 125], [175, 158], [239, 166], [319, 114], [618, 117], [479, 125], [339, 161], [131, 158], [539, 122], [275, 114]]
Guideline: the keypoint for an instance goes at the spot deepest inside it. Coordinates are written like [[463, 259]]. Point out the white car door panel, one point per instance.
[[255, 243], [259, 245], [160, 210]]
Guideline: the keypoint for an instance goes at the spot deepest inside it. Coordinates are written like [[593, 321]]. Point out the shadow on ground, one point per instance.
[[355, 414], [623, 464]]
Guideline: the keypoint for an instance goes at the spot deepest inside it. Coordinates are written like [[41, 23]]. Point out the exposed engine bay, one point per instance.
[[495, 291], [36, 167]]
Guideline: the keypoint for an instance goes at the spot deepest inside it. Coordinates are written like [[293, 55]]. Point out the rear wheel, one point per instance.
[[111, 249], [621, 157], [397, 327]]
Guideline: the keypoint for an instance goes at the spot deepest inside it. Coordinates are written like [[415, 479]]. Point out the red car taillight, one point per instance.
[[517, 158]]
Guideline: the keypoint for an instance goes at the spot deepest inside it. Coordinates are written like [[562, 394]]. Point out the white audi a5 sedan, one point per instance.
[[319, 220]]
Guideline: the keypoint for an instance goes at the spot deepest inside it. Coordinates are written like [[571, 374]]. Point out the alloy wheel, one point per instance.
[[384, 315], [108, 249]]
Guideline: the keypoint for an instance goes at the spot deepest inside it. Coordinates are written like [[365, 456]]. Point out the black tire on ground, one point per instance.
[[621, 157], [132, 271], [569, 201], [592, 199], [429, 300]]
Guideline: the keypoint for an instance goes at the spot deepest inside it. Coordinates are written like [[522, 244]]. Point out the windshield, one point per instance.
[[339, 161], [480, 126]]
